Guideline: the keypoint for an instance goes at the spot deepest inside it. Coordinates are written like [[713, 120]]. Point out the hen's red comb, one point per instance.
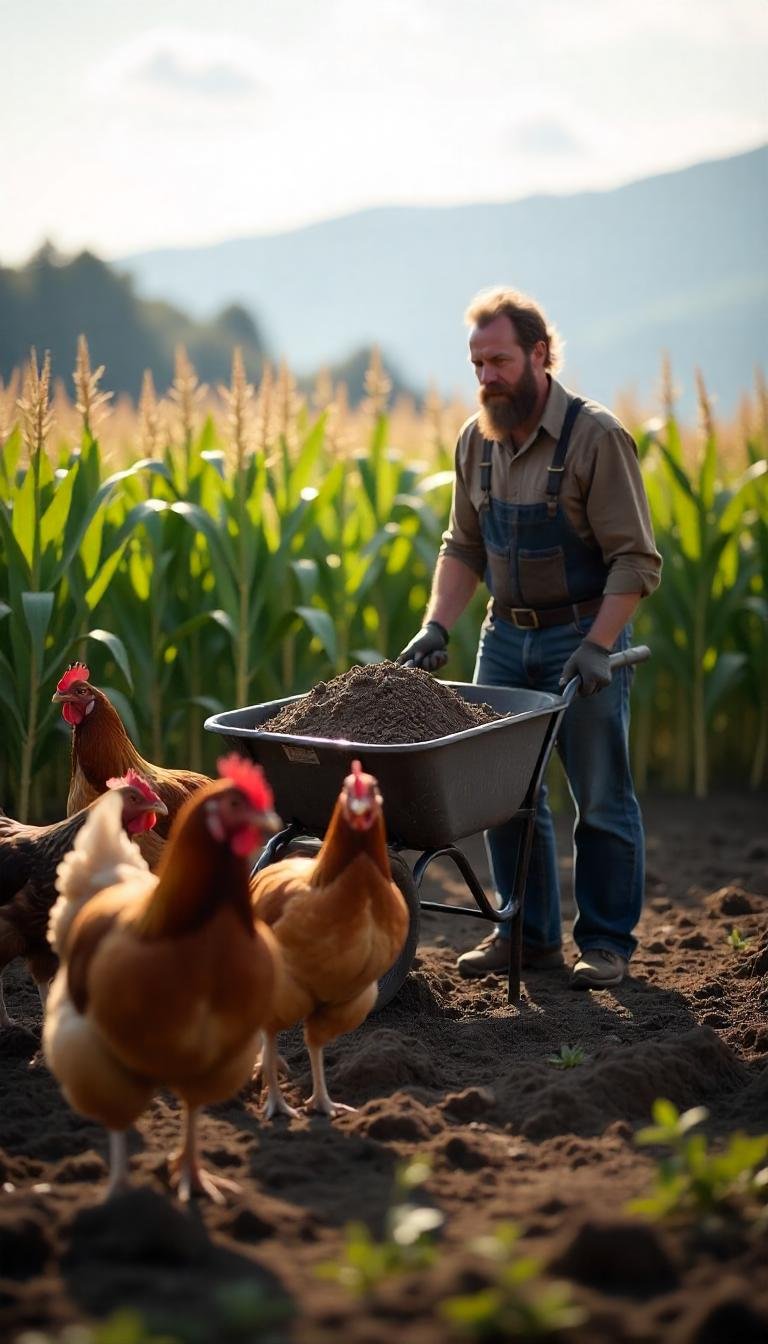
[[133, 780], [75, 672], [357, 780], [249, 778]]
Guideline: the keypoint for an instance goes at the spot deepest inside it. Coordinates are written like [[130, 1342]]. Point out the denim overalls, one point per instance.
[[544, 553]]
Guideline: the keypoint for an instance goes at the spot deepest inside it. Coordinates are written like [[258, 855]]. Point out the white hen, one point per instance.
[[101, 856]]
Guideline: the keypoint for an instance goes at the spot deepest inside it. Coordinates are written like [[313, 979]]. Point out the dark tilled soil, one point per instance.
[[450, 1071], [381, 703]]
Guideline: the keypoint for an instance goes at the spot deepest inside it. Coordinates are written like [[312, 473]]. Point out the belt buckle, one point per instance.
[[532, 624]]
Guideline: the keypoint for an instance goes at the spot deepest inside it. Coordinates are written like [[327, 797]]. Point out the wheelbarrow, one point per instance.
[[435, 793]]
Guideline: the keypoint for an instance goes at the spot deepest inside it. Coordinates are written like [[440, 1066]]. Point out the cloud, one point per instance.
[[182, 61], [546, 136], [217, 79]]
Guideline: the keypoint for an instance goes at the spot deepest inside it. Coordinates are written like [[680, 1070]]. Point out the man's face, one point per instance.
[[511, 380]]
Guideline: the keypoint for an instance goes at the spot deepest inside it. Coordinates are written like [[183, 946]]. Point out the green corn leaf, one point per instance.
[[306, 574], [116, 648], [195, 623], [54, 519], [90, 550], [304, 471], [37, 608], [749, 483], [224, 620], [321, 625], [24, 516], [198, 519], [207, 702], [104, 576], [708, 473], [15, 560], [9, 683], [10, 453], [85, 507], [726, 674], [439, 480]]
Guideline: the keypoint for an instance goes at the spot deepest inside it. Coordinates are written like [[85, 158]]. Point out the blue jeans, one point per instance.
[[608, 841]]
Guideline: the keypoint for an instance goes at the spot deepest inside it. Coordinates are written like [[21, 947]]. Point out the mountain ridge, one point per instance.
[[675, 261]]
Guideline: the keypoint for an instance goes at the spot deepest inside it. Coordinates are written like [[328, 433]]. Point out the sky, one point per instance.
[[129, 127]]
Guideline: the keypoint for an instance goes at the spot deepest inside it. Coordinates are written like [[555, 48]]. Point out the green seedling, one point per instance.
[[407, 1244], [693, 1182], [519, 1304], [249, 1312], [567, 1057], [736, 941]]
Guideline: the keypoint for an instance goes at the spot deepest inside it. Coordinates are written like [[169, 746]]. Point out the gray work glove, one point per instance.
[[428, 649], [591, 662]]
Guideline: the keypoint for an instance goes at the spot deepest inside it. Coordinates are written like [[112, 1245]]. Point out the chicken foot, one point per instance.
[[186, 1172], [270, 1061], [320, 1100]]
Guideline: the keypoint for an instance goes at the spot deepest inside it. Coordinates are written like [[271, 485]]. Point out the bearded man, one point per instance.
[[550, 510]]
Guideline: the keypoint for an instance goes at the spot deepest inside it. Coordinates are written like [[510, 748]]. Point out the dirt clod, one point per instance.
[[624, 1255]]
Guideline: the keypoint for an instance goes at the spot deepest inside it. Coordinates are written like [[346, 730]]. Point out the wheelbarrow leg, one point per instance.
[[515, 957], [525, 820]]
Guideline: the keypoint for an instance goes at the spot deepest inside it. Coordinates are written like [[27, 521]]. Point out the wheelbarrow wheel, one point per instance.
[[392, 980]]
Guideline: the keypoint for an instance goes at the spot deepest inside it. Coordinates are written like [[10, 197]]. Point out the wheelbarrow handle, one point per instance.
[[639, 653]]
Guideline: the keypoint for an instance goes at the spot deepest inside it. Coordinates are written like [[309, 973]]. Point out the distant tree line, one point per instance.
[[51, 299]]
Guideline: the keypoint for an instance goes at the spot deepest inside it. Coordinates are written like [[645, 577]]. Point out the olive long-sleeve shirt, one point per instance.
[[602, 493]]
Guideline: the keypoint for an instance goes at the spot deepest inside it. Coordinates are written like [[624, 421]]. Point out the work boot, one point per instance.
[[597, 968], [492, 955]]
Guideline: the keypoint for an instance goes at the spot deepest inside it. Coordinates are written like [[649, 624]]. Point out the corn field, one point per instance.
[[223, 551]]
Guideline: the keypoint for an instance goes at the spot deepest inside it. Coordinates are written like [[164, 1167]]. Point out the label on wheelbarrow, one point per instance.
[[301, 755]]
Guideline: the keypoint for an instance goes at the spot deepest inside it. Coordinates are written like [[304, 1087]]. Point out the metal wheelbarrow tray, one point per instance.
[[435, 793]]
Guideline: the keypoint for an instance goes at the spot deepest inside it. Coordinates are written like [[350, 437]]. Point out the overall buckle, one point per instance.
[[532, 623]]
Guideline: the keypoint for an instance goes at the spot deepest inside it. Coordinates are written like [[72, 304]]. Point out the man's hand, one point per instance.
[[591, 662], [428, 649]]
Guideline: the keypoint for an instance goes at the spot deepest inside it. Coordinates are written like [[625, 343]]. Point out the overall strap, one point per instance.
[[557, 465], [485, 473]]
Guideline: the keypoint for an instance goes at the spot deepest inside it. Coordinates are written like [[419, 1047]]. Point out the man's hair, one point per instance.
[[527, 317]]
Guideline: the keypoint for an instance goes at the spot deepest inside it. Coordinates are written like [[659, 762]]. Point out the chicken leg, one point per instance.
[[320, 1100], [270, 1060], [324, 1025], [118, 1163], [186, 1171], [5, 1020]]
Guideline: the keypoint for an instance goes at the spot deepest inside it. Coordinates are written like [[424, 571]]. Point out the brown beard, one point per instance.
[[501, 412]]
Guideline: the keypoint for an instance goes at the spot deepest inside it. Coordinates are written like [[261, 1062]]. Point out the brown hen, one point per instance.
[[341, 922], [165, 980], [101, 747]]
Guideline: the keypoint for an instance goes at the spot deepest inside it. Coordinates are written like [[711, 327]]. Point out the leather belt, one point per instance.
[[530, 618]]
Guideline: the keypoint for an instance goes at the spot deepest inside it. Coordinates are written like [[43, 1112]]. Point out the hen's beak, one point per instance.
[[158, 806], [268, 822], [61, 698]]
